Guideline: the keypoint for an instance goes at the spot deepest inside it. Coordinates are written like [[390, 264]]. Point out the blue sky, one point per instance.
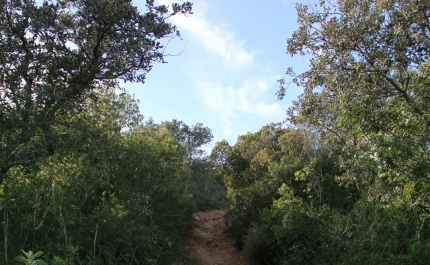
[[230, 58]]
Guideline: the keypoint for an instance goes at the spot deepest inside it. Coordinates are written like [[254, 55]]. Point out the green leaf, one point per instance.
[[40, 262], [21, 259]]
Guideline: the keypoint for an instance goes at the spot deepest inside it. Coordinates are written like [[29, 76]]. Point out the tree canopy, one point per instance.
[[86, 180], [54, 54], [191, 139], [367, 85], [348, 181]]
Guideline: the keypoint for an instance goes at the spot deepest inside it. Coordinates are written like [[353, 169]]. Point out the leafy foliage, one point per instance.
[[81, 176], [190, 139], [357, 189], [352, 176], [205, 183], [121, 197], [30, 258], [54, 54], [206, 186], [262, 162]]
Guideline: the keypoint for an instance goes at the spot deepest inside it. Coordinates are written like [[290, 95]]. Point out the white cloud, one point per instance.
[[230, 101], [219, 85], [216, 39]]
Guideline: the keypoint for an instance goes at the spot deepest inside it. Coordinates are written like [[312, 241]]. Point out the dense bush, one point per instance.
[[288, 205], [206, 186], [121, 198], [348, 181]]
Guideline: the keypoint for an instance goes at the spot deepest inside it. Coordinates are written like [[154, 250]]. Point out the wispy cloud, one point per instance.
[[216, 39], [235, 85], [229, 101]]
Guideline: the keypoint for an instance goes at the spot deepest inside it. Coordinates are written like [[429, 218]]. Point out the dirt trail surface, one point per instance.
[[208, 244]]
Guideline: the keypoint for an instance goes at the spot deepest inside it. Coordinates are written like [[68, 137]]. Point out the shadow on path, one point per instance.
[[208, 244]]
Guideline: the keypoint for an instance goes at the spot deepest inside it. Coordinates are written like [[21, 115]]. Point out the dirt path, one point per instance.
[[208, 243]]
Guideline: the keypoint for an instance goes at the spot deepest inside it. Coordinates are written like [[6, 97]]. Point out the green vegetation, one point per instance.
[[82, 177], [120, 197], [55, 54], [29, 258], [85, 180], [206, 183], [348, 181]]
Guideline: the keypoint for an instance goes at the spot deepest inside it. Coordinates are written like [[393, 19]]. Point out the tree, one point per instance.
[[191, 139], [54, 54], [219, 154], [367, 86], [366, 94], [363, 53], [120, 198], [204, 184]]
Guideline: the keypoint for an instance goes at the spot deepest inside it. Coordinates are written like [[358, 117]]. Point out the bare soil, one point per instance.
[[208, 244]]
